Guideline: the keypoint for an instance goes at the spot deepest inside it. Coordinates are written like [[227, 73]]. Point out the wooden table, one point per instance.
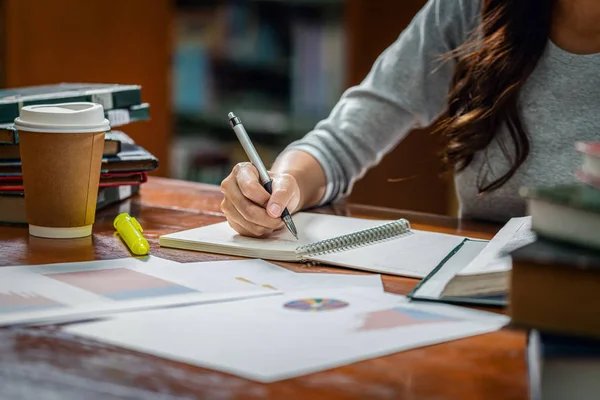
[[46, 363]]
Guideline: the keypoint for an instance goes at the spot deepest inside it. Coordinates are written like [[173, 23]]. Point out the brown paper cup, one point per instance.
[[61, 174], [61, 149]]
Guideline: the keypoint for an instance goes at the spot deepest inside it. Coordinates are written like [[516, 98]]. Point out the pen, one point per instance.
[[265, 178], [130, 231]]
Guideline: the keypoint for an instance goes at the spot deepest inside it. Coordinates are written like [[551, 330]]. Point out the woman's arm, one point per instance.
[[406, 88]]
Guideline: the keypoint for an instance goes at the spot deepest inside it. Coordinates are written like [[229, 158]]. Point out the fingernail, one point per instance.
[[275, 209]]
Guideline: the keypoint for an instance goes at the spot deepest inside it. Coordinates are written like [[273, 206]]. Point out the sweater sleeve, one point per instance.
[[405, 89]]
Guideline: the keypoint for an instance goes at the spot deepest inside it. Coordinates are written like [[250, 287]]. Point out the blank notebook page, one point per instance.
[[414, 255]]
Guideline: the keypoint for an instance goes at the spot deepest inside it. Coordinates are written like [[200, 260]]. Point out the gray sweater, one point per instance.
[[407, 88]]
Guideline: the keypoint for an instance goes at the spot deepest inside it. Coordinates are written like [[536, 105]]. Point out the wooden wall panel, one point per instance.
[[107, 41], [371, 27]]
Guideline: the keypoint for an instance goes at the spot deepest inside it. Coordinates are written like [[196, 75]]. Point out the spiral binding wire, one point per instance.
[[357, 239]]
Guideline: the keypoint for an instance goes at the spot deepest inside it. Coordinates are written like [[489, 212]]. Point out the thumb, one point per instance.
[[280, 198]]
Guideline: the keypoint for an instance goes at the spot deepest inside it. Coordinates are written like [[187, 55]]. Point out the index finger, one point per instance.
[[248, 181]]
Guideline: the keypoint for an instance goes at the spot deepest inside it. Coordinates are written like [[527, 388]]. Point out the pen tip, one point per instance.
[[290, 225], [231, 115]]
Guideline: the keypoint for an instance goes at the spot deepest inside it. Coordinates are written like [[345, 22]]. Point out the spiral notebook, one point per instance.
[[391, 247]]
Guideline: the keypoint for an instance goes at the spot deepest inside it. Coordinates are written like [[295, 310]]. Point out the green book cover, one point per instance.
[[111, 96], [577, 195]]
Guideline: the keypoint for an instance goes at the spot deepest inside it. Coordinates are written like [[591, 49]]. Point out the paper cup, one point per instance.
[[61, 154]]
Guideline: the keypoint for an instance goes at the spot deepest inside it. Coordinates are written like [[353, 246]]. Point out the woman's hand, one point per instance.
[[249, 208]]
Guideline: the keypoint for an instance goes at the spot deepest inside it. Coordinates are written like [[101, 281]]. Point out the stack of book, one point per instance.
[[570, 212], [125, 164], [555, 281]]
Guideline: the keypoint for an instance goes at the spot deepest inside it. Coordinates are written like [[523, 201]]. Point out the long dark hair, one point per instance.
[[491, 69]]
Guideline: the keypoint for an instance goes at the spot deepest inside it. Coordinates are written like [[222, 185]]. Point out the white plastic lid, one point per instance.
[[79, 117]]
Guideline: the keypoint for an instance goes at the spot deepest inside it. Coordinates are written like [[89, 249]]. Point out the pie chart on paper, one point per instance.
[[317, 304]]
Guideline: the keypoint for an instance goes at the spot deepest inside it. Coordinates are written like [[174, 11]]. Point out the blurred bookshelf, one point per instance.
[[280, 65]]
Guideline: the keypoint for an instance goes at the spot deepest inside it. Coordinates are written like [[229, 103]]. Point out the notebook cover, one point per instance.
[[109, 95], [490, 301]]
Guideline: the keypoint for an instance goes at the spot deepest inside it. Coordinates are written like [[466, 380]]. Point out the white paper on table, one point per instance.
[[238, 275], [265, 340], [63, 292], [70, 291]]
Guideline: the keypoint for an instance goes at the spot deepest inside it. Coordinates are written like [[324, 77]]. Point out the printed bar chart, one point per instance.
[[121, 284], [18, 302]]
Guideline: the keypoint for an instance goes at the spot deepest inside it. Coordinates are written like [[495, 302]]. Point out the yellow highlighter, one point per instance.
[[131, 232]]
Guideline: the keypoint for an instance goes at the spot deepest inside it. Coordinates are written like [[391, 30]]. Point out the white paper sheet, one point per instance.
[[70, 291], [515, 234], [298, 333], [239, 275]]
